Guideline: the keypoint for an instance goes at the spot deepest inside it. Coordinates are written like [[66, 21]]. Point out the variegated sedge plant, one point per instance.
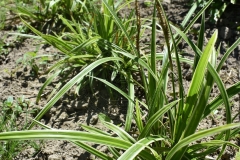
[[170, 128], [86, 41]]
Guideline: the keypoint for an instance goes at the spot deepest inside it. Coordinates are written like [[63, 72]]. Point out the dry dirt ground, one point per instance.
[[17, 80]]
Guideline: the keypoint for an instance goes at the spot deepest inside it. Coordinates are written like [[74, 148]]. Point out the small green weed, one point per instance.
[[2, 14], [11, 113], [3, 47]]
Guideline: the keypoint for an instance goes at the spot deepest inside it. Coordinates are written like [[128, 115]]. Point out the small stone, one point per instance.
[[167, 1], [53, 110], [30, 151], [47, 49], [103, 149], [69, 108], [225, 33], [122, 117], [54, 157], [92, 156], [225, 67], [94, 119], [75, 151], [65, 102], [7, 60], [63, 116], [196, 26], [81, 106], [229, 62], [69, 158]]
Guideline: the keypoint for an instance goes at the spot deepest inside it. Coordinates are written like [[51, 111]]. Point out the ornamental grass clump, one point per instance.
[[169, 131], [87, 41]]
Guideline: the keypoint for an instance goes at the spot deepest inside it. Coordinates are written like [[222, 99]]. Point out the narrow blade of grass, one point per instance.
[[200, 39], [82, 145], [137, 147], [120, 132], [190, 13], [66, 135], [152, 81], [228, 52], [130, 108], [138, 117], [154, 118], [48, 81], [94, 130], [198, 135]]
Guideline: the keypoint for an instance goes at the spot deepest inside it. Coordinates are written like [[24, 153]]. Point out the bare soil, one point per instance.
[[18, 80]]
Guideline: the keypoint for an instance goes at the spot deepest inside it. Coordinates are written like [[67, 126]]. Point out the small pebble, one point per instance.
[[69, 108], [196, 26], [94, 119], [80, 105], [167, 1], [63, 116], [225, 33], [47, 49], [54, 157]]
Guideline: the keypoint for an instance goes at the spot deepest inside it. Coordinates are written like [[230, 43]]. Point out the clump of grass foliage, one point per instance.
[[105, 43]]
